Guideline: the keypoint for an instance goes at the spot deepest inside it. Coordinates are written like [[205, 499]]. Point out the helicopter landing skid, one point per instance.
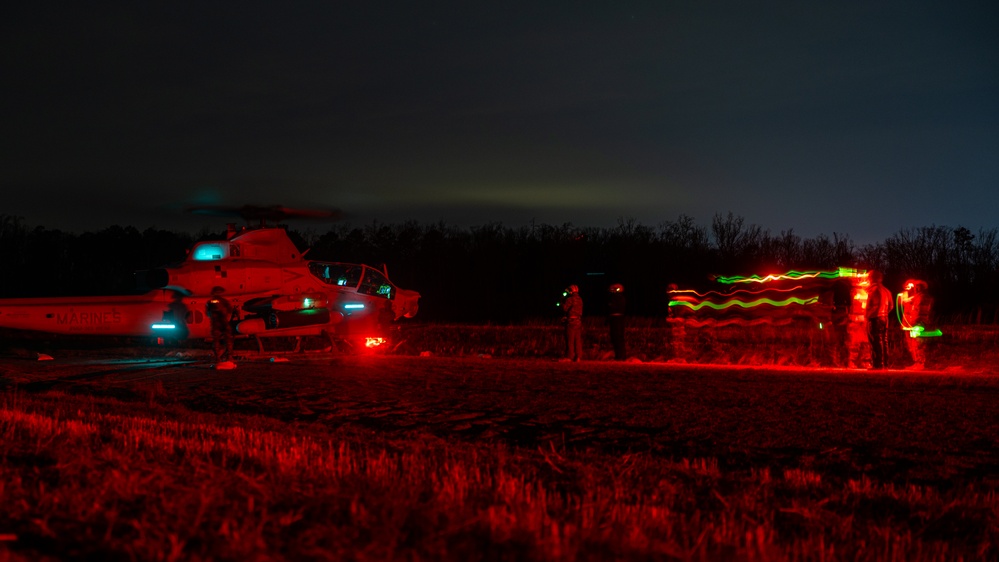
[[299, 346]]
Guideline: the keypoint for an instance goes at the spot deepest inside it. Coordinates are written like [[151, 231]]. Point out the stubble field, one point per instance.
[[328, 457]]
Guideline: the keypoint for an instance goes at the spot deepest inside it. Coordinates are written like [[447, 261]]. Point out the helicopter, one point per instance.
[[274, 290]]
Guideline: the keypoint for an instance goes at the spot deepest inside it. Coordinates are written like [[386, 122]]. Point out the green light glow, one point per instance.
[[898, 311], [914, 331], [851, 272], [920, 332], [841, 272], [744, 304]]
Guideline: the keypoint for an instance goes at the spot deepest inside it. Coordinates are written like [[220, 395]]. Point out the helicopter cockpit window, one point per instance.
[[208, 251], [374, 283], [340, 274]]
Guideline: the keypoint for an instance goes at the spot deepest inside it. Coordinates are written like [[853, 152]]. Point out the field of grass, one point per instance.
[[798, 342], [429, 458]]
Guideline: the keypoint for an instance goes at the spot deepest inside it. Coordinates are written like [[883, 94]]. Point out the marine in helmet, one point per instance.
[[219, 312], [915, 307], [616, 306], [572, 310]]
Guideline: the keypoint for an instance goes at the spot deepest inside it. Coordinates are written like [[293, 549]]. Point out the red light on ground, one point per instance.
[[373, 342]]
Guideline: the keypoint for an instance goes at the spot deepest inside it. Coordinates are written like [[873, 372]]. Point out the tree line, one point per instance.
[[501, 274]]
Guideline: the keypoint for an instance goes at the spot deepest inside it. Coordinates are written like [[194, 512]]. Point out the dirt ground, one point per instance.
[[931, 427]]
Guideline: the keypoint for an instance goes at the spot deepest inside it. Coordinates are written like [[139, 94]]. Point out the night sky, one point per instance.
[[857, 118]]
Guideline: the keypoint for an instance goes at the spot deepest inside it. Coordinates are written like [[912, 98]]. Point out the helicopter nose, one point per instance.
[[407, 303]]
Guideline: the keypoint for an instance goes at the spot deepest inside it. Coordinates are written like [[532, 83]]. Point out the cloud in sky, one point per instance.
[[855, 118]]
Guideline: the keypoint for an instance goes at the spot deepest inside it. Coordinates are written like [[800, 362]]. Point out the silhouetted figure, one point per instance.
[[916, 306], [219, 312], [178, 315], [616, 306], [879, 304], [572, 309], [386, 315]]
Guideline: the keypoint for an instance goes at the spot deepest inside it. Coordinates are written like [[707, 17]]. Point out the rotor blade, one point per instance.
[[273, 213]]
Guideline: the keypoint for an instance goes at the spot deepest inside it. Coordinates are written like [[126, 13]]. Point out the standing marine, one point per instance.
[[572, 309], [915, 306], [879, 304], [616, 305], [219, 311]]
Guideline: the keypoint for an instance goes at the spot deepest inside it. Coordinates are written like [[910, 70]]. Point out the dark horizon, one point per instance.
[[513, 275], [200, 226]]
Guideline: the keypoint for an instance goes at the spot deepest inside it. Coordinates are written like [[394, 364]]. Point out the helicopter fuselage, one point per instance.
[[273, 289]]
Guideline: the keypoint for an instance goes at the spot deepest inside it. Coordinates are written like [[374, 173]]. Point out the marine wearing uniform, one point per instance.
[[916, 307], [572, 308], [616, 306], [219, 312], [879, 304]]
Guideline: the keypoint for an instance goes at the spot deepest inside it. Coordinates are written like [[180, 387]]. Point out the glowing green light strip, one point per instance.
[[898, 312], [733, 293], [841, 272], [775, 277], [743, 304], [920, 332]]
